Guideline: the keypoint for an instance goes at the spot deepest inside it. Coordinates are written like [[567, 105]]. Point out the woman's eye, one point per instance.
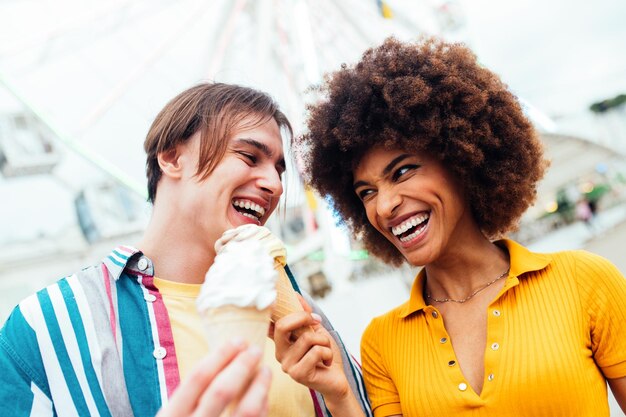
[[364, 194], [403, 170]]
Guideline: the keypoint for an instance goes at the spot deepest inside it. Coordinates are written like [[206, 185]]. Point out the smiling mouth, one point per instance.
[[411, 228], [249, 209]]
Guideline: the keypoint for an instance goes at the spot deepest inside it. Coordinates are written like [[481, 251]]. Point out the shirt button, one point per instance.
[[462, 386], [443, 340], [490, 377], [495, 346], [451, 363], [496, 313], [151, 298], [142, 264], [159, 353], [435, 314]]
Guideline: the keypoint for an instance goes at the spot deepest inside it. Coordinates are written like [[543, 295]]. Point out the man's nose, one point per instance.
[[271, 182]]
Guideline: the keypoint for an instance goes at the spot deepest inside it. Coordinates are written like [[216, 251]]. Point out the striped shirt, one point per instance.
[[100, 343]]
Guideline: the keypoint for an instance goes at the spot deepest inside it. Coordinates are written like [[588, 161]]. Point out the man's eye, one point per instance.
[[250, 157]]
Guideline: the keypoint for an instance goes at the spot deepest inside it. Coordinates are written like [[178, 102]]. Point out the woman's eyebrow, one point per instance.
[[359, 184], [395, 161]]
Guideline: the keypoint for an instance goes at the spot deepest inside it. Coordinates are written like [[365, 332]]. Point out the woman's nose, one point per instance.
[[387, 202]]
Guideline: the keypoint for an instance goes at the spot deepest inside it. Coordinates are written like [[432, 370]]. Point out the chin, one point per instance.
[[419, 257]]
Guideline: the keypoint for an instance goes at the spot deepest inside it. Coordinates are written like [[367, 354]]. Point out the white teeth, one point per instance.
[[409, 223], [249, 205], [413, 235]]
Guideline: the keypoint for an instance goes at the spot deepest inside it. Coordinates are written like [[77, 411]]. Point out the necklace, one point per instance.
[[469, 297]]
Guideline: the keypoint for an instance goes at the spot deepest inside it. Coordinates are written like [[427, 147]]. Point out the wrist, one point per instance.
[[343, 403], [337, 396]]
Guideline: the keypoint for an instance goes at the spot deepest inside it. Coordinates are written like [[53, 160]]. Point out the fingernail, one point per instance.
[[237, 342], [316, 317], [254, 350], [265, 372]]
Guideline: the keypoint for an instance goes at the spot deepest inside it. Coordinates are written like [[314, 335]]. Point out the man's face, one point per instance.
[[244, 187]]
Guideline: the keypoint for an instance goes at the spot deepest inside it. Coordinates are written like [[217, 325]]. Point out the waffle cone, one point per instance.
[[225, 323], [287, 301], [228, 322]]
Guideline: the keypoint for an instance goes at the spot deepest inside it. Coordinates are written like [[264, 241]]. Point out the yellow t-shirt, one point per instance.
[[287, 398], [554, 332]]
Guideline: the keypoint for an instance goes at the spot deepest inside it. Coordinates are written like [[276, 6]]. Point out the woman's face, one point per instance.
[[413, 201]]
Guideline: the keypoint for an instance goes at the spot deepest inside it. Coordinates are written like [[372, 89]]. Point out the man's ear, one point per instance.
[[170, 162]]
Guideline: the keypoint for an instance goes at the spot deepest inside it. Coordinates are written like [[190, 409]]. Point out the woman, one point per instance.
[[428, 158]]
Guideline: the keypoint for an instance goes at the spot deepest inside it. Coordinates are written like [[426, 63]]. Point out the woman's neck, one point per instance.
[[466, 267]]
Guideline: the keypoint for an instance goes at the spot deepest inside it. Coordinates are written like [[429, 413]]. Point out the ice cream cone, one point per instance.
[[236, 298], [226, 323], [287, 301]]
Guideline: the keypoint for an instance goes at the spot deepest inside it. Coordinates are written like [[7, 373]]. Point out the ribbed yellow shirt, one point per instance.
[[554, 332], [287, 398]]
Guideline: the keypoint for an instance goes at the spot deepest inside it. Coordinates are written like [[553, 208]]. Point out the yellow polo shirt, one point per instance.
[[287, 398], [555, 331]]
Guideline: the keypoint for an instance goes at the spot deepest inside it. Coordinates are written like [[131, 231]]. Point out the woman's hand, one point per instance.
[[228, 374], [314, 359]]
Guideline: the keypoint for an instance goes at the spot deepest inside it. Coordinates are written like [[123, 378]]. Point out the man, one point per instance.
[[117, 338]]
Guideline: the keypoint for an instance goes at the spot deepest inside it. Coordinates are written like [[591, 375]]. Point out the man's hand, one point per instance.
[[226, 375]]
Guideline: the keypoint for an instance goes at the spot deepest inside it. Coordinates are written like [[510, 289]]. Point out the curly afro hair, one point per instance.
[[428, 96]]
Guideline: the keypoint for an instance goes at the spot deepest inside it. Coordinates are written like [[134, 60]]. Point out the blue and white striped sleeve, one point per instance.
[[24, 389]]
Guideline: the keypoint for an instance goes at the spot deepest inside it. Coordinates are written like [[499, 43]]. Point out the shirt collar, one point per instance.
[[127, 257], [522, 261]]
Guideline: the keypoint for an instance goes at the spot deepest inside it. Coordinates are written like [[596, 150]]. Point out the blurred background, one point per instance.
[[81, 81]]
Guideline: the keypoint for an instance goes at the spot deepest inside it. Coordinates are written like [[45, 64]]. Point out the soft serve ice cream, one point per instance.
[[238, 291], [273, 245], [242, 275], [286, 299]]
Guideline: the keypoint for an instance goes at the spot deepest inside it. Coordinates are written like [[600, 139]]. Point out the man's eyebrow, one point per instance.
[[264, 149], [386, 170]]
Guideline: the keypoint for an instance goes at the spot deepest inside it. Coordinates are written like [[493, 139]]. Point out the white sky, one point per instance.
[[561, 55]]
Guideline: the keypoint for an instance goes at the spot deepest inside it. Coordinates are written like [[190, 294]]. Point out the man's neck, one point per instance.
[[178, 254]]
